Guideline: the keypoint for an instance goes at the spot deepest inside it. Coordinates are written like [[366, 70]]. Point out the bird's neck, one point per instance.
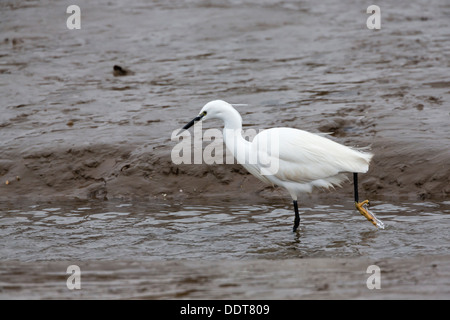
[[232, 120], [232, 136]]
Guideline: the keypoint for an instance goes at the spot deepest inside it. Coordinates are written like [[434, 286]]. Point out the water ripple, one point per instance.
[[146, 231]]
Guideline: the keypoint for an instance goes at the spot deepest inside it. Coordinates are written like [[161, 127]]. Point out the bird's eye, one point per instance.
[[204, 113]]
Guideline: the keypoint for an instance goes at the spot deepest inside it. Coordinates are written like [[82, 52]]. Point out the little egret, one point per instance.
[[294, 159]]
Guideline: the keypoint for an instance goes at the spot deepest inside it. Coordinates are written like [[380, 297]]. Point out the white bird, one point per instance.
[[291, 158]]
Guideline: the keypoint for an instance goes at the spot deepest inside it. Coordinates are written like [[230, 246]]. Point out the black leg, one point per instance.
[[297, 216], [355, 186]]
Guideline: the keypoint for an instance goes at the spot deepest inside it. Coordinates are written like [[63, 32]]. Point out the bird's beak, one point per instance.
[[191, 123]]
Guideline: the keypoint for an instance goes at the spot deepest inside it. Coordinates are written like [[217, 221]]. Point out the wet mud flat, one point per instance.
[[424, 277], [71, 127]]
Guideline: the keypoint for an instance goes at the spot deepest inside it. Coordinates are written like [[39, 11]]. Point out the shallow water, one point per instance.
[[145, 231]]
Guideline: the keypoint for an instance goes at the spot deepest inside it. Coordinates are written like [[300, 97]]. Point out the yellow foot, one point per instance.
[[362, 208]]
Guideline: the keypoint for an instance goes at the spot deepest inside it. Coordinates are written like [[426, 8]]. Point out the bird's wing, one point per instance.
[[255, 171], [302, 157]]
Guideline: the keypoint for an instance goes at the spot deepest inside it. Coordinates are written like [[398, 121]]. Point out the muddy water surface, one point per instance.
[[127, 231]]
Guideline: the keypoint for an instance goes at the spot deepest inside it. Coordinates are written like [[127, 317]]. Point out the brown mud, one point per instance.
[[407, 278], [70, 128]]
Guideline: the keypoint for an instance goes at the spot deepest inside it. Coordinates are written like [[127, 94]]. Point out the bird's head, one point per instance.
[[216, 109]]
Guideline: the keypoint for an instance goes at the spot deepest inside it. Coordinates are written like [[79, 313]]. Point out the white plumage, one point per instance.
[[303, 160], [308, 160]]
